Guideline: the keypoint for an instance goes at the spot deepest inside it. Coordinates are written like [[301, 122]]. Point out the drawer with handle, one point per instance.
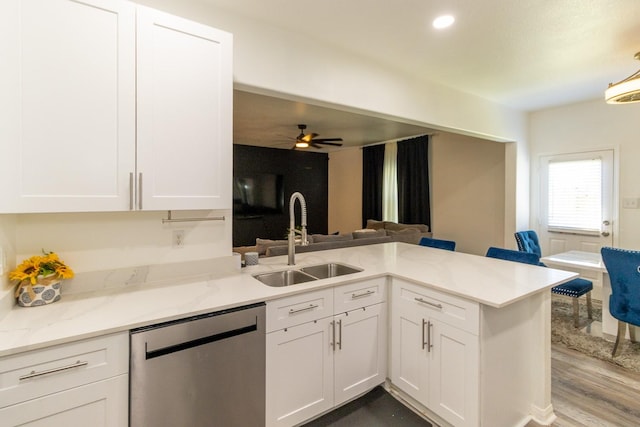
[[298, 309], [36, 373], [455, 311], [359, 294]]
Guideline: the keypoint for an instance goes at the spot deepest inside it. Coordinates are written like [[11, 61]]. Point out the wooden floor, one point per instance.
[[590, 392]]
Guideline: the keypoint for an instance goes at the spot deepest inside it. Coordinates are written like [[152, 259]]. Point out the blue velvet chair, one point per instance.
[[449, 245], [528, 242], [511, 255], [623, 267]]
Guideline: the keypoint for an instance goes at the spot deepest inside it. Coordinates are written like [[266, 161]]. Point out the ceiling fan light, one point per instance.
[[302, 144], [626, 91], [443, 21]]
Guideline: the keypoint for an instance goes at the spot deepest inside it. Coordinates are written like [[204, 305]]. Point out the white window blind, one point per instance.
[[575, 195]]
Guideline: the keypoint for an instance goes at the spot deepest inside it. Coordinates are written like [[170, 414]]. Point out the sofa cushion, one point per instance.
[[395, 226], [368, 234], [406, 235], [320, 238], [263, 244], [282, 250]]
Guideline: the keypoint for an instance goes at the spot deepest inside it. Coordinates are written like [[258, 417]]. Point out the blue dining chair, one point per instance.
[[623, 267], [528, 242], [449, 245], [511, 255]]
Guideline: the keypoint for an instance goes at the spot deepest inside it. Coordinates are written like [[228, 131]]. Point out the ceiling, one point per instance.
[[526, 54]]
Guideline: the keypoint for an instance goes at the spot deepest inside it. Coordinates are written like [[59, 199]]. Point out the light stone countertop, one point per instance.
[[126, 305]]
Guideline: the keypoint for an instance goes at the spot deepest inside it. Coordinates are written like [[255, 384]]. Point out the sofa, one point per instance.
[[375, 232]]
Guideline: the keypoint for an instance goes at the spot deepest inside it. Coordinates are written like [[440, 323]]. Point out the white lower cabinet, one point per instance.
[[299, 373], [323, 362], [79, 383], [100, 404], [433, 361]]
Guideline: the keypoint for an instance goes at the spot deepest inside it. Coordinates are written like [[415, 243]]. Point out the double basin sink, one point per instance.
[[306, 274]]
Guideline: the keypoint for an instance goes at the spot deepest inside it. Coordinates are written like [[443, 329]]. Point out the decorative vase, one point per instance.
[[46, 291]]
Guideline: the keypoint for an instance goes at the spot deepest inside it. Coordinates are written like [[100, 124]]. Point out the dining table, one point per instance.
[[591, 262]]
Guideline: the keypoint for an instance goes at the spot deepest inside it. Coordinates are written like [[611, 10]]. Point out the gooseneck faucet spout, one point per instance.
[[292, 225]]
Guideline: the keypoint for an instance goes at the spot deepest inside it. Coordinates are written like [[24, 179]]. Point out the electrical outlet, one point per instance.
[[178, 238], [630, 203]]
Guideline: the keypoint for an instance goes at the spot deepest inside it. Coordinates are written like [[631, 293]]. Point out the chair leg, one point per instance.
[[589, 306], [632, 333], [622, 329], [576, 313]]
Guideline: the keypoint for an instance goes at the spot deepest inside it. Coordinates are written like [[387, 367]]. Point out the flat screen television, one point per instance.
[[258, 194]]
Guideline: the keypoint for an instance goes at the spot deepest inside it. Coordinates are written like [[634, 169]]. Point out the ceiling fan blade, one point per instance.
[[327, 139], [335, 144]]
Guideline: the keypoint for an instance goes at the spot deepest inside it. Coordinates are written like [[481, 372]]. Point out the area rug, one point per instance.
[[563, 333]]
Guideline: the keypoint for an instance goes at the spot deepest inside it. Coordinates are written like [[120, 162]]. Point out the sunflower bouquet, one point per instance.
[[39, 269]]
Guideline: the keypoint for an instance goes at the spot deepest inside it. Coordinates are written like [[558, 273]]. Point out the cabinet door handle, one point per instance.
[[131, 191], [364, 294], [429, 345], [140, 191], [423, 341], [339, 343], [333, 335], [299, 310], [428, 303], [34, 374]]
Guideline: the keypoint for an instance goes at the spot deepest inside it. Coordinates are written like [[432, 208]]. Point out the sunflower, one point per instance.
[[47, 266]]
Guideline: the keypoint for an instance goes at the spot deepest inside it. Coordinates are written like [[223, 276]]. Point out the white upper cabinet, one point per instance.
[[69, 137], [68, 105], [185, 96]]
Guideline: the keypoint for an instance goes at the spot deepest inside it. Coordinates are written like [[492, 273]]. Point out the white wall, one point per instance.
[[587, 126], [345, 190], [467, 195]]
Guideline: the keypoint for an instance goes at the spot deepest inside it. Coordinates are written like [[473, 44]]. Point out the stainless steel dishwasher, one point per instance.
[[206, 370]]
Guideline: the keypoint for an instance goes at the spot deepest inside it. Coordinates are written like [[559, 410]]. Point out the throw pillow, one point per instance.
[[374, 225]]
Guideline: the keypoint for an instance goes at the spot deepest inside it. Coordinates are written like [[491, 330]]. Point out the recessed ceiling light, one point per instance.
[[443, 21]]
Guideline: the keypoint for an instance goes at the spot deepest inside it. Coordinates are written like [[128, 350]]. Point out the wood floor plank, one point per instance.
[[592, 393]]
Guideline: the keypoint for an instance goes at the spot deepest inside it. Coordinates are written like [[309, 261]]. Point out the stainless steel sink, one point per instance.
[[332, 269], [284, 278]]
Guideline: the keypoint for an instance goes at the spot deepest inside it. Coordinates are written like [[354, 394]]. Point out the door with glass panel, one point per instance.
[[576, 203]]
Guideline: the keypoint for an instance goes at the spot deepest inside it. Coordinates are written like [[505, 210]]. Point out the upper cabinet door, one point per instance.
[[185, 107], [67, 110]]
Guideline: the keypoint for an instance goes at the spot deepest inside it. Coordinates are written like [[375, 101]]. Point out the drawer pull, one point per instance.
[[34, 374], [364, 294], [310, 307], [428, 303]]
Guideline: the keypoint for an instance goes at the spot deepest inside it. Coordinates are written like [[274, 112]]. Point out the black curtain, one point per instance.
[[372, 166], [413, 181]]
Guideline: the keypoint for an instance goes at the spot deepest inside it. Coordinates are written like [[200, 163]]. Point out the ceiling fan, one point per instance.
[[304, 141]]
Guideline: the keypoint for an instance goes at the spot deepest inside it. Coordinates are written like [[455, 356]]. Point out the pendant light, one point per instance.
[[625, 91]]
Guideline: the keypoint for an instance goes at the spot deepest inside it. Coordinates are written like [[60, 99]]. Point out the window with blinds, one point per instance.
[[575, 196]]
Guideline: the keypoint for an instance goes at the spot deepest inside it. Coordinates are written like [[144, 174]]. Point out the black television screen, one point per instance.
[[258, 194]]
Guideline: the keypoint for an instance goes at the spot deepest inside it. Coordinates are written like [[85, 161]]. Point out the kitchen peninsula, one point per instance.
[[502, 307]]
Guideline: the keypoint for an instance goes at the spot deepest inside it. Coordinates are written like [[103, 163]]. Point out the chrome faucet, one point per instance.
[[292, 226]]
